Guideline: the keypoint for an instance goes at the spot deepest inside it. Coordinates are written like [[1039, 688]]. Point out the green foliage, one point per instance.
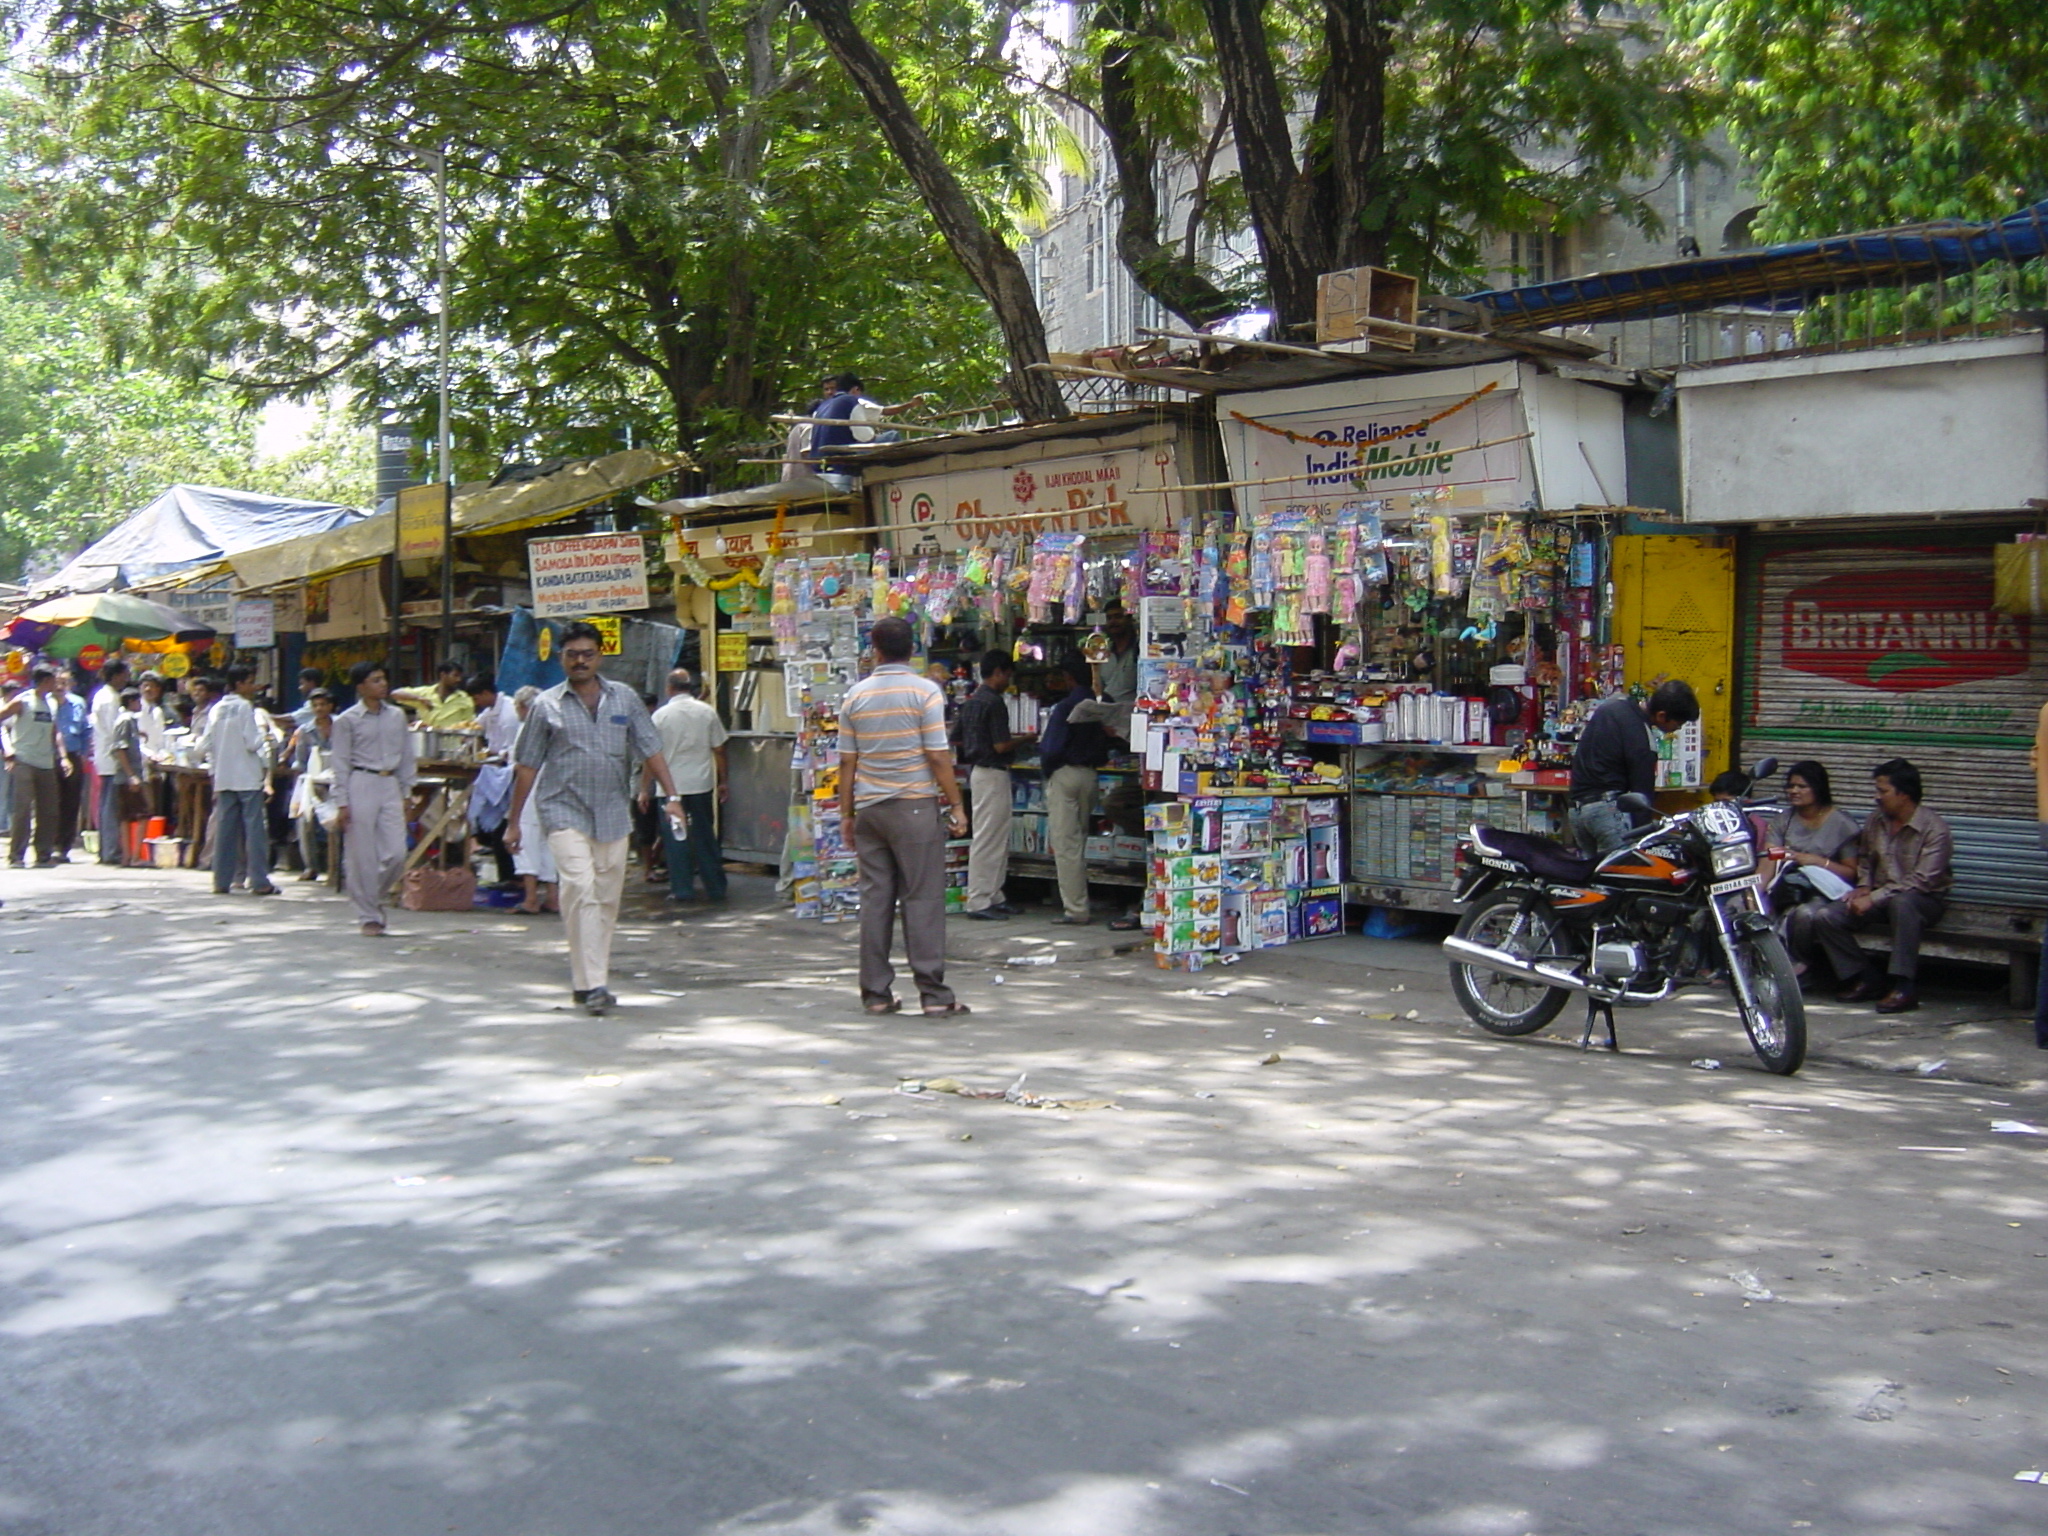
[[86, 439], [664, 219], [1881, 112], [1441, 120]]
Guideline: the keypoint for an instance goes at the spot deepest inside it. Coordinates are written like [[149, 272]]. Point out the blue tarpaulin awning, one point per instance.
[[193, 525], [1778, 277]]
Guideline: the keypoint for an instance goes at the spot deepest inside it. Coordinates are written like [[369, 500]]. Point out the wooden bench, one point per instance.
[[1996, 908]]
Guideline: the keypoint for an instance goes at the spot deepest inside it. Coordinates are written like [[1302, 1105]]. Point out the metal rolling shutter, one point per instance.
[[1859, 647]]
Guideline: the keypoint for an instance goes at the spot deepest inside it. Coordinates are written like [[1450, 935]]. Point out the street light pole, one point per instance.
[[445, 467]]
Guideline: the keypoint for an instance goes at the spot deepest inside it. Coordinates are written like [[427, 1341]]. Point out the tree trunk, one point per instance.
[[987, 257], [1291, 243], [1170, 275], [1352, 112]]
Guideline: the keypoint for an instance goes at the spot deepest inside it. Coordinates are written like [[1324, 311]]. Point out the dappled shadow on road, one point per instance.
[[381, 1234]]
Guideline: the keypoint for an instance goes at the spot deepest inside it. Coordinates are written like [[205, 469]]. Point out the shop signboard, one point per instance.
[[1336, 444], [255, 623], [612, 628], [594, 573], [422, 518], [732, 650], [1860, 650], [209, 607], [1097, 494]]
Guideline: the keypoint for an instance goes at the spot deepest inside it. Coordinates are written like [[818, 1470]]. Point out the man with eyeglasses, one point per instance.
[[579, 754]]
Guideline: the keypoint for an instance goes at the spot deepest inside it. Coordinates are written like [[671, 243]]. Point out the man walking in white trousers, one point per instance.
[[580, 753], [371, 758]]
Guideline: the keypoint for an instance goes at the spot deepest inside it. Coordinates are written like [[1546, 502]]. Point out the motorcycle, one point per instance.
[[1677, 904]]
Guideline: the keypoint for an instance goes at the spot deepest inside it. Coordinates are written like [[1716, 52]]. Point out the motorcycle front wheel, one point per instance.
[[1525, 925], [1776, 1021]]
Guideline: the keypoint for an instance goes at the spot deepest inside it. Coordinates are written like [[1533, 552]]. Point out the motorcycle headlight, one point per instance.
[[1733, 859]]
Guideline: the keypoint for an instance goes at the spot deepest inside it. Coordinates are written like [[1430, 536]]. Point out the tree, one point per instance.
[[658, 225], [980, 247], [1398, 132], [1881, 113]]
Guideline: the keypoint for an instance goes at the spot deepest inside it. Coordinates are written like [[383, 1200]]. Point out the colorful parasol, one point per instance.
[[65, 626]]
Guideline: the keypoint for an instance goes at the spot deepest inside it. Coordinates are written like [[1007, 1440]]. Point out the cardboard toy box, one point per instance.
[[1322, 912], [1325, 861], [1266, 919]]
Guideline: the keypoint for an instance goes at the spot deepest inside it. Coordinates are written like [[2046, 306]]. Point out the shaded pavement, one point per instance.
[[314, 1234]]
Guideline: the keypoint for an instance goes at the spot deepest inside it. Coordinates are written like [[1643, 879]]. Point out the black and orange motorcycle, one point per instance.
[[1680, 904]]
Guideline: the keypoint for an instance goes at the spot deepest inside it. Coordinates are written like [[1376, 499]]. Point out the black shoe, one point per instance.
[[989, 915], [1074, 922], [1903, 997], [1008, 909], [1866, 989], [582, 996], [600, 1001], [48, 863]]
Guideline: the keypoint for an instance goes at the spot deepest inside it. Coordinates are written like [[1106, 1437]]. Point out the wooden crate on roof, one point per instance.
[[1348, 302]]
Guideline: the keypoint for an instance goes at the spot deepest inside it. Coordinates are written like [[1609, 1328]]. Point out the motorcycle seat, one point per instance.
[[1544, 857]]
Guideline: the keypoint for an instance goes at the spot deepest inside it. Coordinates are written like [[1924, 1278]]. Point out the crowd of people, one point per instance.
[[568, 777], [561, 790]]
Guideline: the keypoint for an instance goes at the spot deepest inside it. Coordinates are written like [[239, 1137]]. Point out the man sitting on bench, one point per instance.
[[1902, 882]]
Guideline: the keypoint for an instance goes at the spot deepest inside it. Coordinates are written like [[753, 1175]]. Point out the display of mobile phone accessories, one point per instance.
[[878, 583]]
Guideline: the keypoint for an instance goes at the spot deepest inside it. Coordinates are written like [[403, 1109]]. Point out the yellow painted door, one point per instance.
[[1674, 612]]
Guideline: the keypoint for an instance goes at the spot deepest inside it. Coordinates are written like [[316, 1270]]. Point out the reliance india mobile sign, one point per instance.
[[596, 573]]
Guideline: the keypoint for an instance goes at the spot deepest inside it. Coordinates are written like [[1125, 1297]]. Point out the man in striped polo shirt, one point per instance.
[[895, 767]]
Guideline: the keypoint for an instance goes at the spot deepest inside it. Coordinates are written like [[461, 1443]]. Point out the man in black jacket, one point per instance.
[[985, 747], [1616, 757]]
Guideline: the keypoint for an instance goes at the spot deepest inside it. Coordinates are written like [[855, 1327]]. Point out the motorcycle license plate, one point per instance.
[[1730, 887]]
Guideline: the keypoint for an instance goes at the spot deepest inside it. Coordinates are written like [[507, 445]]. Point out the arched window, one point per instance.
[[1740, 231]]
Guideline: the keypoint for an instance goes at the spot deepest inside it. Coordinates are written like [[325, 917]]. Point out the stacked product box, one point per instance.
[[1413, 839], [1234, 874], [956, 873]]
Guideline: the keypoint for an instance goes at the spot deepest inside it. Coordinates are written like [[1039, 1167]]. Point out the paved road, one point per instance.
[[309, 1235]]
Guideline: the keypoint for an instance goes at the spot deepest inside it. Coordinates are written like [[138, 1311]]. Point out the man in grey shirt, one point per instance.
[[583, 746]]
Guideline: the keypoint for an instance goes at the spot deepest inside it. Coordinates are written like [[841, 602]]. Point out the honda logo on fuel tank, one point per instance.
[[1903, 630]]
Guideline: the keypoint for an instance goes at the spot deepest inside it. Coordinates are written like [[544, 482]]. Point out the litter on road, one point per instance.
[[2016, 1128], [1014, 1094]]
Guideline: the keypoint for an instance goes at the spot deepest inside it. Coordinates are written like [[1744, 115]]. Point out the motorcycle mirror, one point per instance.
[[1639, 804], [1764, 769]]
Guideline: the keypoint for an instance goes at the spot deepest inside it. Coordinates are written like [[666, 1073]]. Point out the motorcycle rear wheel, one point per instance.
[[1777, 1022], [1496, 1002]]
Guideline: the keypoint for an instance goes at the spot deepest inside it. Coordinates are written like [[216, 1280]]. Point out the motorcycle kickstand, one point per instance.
[[1598, 1009]]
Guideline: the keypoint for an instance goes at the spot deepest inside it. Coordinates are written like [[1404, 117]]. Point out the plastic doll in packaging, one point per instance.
[[1315, 592], [1262, 583]]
